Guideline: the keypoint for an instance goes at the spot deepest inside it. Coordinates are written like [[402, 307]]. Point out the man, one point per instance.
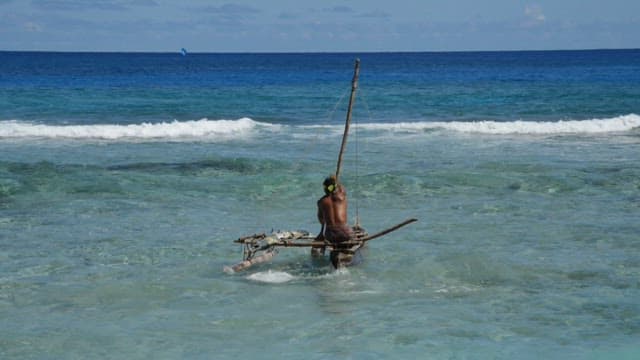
[[332, 214]]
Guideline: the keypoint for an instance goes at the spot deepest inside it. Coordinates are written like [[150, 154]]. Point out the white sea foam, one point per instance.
[[271, 277], [245, 127], [593, 126], [204, 128]]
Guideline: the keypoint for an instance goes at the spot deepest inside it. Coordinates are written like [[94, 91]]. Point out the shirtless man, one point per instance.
[[332, 214]]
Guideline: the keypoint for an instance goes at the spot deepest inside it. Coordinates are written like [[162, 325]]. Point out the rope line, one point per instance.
[[357, 152]]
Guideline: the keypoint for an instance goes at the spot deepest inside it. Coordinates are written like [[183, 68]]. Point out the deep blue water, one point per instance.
[[86, 88], [125, 178]]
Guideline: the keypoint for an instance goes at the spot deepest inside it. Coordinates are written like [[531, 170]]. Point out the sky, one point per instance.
[[317, 25]]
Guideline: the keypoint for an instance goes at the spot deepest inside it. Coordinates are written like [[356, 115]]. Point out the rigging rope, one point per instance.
[[344, 94], [357, 183], [357, 152]]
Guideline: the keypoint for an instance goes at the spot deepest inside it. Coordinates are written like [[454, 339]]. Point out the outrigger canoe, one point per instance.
[[260, 248]]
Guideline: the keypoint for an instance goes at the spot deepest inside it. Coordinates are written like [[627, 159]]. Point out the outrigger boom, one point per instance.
[[284, 238], [266, 245], [260, 248]]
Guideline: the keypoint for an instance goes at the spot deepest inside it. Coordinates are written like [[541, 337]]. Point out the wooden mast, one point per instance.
[[352, 99]]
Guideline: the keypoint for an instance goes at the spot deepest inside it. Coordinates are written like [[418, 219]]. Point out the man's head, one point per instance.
[[329, 184]]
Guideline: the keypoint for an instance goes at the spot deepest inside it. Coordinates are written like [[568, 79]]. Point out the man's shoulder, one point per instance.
[[339, 196], [324, 199]]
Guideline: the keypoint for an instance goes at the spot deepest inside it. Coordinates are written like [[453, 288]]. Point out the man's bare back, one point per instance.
[[332, 213]]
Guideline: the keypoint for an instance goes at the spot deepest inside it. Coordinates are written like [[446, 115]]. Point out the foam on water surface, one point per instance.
[[204, 128], [593, 126], [271, 277]]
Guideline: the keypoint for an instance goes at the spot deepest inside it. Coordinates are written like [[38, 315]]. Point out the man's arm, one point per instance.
[[321, 221], [319, 213], [340, 193]]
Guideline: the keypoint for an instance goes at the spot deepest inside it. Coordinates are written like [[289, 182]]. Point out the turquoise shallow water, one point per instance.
[[526, 247], [114, 233]]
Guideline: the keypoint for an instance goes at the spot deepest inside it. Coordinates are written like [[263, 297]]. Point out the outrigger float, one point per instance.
[[261, 248]]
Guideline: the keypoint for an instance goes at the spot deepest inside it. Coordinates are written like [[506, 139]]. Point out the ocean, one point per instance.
[[125, 178]]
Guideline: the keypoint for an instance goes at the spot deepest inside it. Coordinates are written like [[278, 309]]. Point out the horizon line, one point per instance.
[[307, 52]]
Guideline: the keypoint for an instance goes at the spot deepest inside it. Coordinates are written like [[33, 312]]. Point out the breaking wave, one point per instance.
[[204, 128], [221, 130], [594, 126]]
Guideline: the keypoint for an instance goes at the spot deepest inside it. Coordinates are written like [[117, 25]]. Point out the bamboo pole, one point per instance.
[[352, 99], [385, 232]]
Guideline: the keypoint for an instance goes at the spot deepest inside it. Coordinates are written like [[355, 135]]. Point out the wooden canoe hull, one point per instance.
[[351, 255], [344, 258]]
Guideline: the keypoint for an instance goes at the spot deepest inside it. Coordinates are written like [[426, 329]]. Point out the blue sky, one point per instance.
[[290, 25]]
